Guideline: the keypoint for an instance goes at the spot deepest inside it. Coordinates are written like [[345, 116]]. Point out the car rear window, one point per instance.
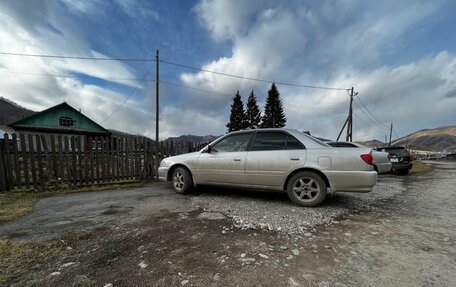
[[269, 141], [275, 141], [341, 144], [397, 152]]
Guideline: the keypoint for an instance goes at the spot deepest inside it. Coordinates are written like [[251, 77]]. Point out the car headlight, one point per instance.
[[165, 163]]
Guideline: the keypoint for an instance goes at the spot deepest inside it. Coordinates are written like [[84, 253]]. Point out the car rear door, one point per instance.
[[272, 155]]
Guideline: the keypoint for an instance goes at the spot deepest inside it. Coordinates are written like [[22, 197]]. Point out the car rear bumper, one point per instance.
[[384, 168], [401, 166], [352, 181]]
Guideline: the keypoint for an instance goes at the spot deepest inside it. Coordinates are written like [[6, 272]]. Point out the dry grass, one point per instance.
[[17, 258], [419, 167], [15, 204]]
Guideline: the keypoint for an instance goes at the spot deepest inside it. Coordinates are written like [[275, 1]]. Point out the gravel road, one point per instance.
[[274, 211], [401, 234]]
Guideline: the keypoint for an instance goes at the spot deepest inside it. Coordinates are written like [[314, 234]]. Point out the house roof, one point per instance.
[[35, 121]]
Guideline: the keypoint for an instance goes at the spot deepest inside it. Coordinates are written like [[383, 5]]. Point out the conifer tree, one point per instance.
[[253, 113], [237, 117], [274, 116]]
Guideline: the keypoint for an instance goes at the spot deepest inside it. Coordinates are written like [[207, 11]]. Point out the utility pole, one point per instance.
[[157, 86], [343, 127], [349, 137], [349, 121], [386, 139], [391, 131]]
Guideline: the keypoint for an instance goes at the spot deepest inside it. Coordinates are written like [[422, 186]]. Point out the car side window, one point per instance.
[[293, 143], [232, 143], [269, 141]]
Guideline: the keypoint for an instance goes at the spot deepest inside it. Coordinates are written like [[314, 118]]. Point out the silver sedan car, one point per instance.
[[273, 159], [381, 160]]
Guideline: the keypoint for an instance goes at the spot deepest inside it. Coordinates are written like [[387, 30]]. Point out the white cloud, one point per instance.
[[328, 44], [324, 43], [29, 81]]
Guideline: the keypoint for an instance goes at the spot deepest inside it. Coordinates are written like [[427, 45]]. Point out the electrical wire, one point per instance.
[[369, 118], [251, 79], [195, 88], [133, 91], [359, 99], [369, 125], [170, 63], [77, 57], [72, 76]]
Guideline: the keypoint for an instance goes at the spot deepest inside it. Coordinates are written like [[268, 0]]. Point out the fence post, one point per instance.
[[32, 160], [73, 160], [54, 158], [40, 163], [61, 160], [8, 164], [17, 163], [24, 159], [92, 173], [97, 162], [67, 158], [79, 146], [2, 170], [86, 159]]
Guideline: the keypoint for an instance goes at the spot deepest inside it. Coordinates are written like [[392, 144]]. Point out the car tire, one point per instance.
[[404, 172], [182, 180], [306, 188]]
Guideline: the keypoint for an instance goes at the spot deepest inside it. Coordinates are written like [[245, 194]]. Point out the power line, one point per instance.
[[77, 57], [194, 88], [367, 124], [369, 118], [170, 63], [359, 99], [72, 76], [133, 91], [251, 79]]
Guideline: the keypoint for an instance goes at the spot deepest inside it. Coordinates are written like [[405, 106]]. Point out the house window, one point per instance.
[[66, 122]]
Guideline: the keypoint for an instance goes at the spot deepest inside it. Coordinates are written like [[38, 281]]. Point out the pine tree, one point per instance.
[[237, 117], [274, 116], [253, 113]]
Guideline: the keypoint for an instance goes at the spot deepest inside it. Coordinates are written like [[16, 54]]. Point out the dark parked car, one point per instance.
[[400, 158]]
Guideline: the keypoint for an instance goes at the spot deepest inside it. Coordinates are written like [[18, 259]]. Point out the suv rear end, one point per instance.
[[401, 159]]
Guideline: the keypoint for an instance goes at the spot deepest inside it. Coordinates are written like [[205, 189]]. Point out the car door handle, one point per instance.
[[236, 159], [294, 158]]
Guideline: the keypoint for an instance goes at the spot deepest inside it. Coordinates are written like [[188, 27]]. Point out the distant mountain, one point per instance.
[[438, 139], [372, 143], [11, 112], [193, 139]]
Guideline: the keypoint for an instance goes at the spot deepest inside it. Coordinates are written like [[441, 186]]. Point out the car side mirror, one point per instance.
[[207, 149]]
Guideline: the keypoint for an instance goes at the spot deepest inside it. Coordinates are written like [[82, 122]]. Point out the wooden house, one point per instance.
[[60, 120]]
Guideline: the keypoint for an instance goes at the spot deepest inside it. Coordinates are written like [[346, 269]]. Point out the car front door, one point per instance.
[[271, 157], [224, 163]]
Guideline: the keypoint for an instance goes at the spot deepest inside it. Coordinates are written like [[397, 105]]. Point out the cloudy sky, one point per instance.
[[400, 57]]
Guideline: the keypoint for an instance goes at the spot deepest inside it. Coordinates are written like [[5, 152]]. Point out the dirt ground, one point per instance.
[[159, 239]]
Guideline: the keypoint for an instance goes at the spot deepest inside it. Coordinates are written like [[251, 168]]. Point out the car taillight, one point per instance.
[[389, 157], [367, 158]]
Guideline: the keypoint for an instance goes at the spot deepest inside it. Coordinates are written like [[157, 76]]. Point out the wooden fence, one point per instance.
[[43, 161]]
